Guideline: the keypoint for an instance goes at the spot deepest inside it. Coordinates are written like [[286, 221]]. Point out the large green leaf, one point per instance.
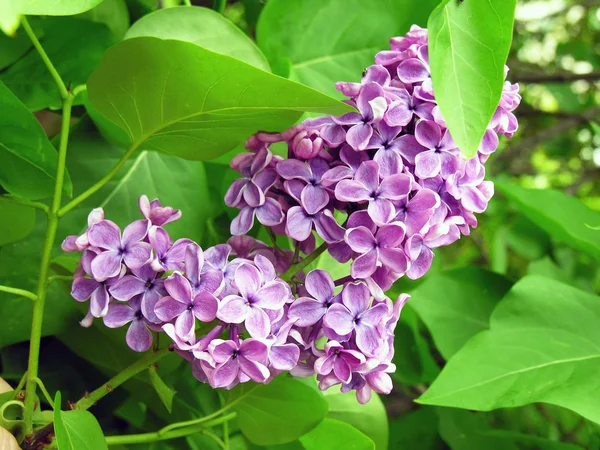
[[468, 46], [542, 346], [324, 41], [77, 430], [29, 160], [278, 412], [29, 78], [564, 217], [457, 304], [16, 222], [370, 419], [203, 27], [333, 434], [13, 47], [178, 98]]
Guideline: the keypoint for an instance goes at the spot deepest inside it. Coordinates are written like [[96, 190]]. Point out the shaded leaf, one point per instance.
[[541, 347], [561, 216], [112, 13], [181, 99], [278, 412], [164, 392], [29, 160], [299, 37], [54, 8], [16, 222], [463, 430], [457, 304], [203, 27], [29, 78], [418, 426], [468, 47]]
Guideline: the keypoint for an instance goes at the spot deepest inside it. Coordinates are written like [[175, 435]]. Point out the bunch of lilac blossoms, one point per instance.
[[401, 188], [381, 187]]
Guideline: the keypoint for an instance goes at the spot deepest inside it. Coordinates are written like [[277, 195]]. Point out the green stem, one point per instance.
[[21, 292], [142, 364], [38, 308], [289, 274], [64, 93], [44, 391], [187, 2], [167, 433], [23, 202], [219, 6], [60, 277], [96, 187]]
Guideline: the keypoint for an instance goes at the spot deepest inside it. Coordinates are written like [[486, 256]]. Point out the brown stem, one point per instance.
[[564, 77]]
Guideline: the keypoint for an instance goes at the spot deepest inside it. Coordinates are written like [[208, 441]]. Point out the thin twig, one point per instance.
[[564, 77]]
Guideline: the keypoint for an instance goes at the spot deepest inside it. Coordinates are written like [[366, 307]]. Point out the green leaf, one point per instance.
[[370, 419], [412, 355], [468, 47], [469, 297], [164, 392], [13, 47], [203, 27], [541, 347], [332, 434], [29, 160], [419, 426], [112, 13], [561, 216], [181, 99], [463, 430], [77, 430], [16, 222], [299, 36], [54, 8], [278, 412], [29, 78]]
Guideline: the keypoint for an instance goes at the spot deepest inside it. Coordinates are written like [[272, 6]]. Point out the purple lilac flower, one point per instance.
[[144, 282], [167, 255], [355, 314], [157, 214], [309, 310], [367, 187], [183, 306], [256, 180], [138, 337], [313, 196], [339, 360], [234, 361], [80, 243], [129, 249], [254, 297]]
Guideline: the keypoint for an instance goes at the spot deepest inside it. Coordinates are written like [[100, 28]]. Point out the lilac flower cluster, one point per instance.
[[390, 170], [381, 187]]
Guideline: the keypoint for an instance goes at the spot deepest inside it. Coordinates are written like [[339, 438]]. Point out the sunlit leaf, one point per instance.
[[468, 47]]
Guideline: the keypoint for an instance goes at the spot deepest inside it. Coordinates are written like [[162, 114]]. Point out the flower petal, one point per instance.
[[272, 295], [360, 239], [127, 287], [298, 225], [254, 370], [257, 323], [137, 254], [106, 265], [138, 337], [233, 309], [105, 235], [135, 231], [118, 315], [179, 288], [339, 319], [365, 265], [206, 306], [314, 198], [356, 297], [167, 308], [319, 284], [306, 311]]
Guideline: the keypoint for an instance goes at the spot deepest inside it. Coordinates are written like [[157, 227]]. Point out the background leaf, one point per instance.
[[560, 215], [29, 160], [55, 8], [298, 36], [333, 434], [468, 47], [151, 88], [112, 13], [541, 347], [164, 392], [278, 412], [457, 304], [203, 27], [370, 419], [16, 222], [29, 78]]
